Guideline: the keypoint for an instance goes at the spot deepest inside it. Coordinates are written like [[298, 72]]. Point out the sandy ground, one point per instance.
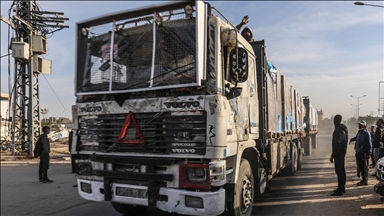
[[59, 149]]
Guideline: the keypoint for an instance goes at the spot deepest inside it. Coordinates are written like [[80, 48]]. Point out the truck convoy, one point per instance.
[[176, 110]]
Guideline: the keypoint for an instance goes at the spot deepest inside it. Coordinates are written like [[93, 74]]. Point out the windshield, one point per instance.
[[152, 51]]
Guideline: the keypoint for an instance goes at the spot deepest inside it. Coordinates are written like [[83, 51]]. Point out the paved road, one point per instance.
[[306, 193]]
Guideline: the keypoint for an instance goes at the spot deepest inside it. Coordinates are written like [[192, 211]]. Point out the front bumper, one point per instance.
[[213, 202]]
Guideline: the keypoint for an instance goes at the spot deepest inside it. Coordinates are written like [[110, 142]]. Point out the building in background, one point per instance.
[[5, 123]]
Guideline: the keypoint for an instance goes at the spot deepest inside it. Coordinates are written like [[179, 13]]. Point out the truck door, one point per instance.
[[241, 76]]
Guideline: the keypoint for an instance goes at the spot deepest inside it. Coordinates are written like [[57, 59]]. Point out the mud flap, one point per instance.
[[152, 194], [229, 199], [107, 189]]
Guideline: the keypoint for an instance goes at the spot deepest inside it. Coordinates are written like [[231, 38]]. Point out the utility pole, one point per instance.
[[31, 29], [358, 105], [381, 94]]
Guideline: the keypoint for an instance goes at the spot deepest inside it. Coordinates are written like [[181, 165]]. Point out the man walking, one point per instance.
[[339, 150], [363, 151], [44, 157]]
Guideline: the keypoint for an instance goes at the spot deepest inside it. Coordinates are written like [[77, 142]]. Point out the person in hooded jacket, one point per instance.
[[247, 32], [339, 150], [363, 148]]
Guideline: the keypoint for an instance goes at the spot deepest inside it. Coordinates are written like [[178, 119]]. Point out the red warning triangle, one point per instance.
[[130, 118]]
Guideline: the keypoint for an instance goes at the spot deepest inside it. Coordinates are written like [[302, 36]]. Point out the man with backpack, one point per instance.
[[43, 149]]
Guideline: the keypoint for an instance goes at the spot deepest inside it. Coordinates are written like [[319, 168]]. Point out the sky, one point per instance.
[[328, 50]]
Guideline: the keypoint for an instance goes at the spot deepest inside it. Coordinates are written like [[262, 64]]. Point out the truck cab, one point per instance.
[[176, 110]]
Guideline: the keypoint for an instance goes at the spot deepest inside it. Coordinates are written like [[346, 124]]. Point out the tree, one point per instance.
[[43, 112]]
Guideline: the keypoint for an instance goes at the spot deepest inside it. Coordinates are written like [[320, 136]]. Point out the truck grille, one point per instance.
[[163, 133]]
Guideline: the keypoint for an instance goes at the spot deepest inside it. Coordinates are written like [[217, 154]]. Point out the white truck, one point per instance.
[[312, 122], [176, 110]]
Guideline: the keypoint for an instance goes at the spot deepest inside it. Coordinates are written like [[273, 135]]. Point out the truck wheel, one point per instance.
[[292, 168], [299, 155], [244, 192], [127, 209]]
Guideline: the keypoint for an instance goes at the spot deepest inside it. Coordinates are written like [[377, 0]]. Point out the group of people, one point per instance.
[[367, 145]]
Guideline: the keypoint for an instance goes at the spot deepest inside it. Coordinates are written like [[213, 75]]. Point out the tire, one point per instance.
[[244, 192], [127, 209], [292, 168], [299, 155]]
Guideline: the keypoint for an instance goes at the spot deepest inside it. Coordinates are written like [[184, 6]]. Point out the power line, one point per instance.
[[31, 25], [55, 93], [5, 55]]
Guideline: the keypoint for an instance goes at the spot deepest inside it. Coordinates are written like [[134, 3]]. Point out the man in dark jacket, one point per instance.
[[363, 148], [339, 150], [376, 140], [44, 157]]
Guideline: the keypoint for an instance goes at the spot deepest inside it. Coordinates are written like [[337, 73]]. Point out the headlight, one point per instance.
[[85, 187], [197, 174], [194, 176], [97, 165], [84, 168]]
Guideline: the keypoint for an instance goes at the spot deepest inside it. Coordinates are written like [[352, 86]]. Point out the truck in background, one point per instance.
[[312, 122], [176, 110]]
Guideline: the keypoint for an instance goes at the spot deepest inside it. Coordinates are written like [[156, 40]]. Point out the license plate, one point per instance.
[[131, 192]]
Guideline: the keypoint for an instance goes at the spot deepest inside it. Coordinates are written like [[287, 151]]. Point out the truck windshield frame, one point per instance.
[[150, 51]]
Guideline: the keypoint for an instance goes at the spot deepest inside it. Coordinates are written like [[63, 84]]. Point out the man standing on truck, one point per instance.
[[339, 150], [363, 148], [246, 33]]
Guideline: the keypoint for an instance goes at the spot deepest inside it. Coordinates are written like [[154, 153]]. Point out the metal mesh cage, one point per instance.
[[142, 58]]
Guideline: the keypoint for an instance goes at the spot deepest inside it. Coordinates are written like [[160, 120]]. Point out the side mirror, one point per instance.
[[238, 65], [234, 93]]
